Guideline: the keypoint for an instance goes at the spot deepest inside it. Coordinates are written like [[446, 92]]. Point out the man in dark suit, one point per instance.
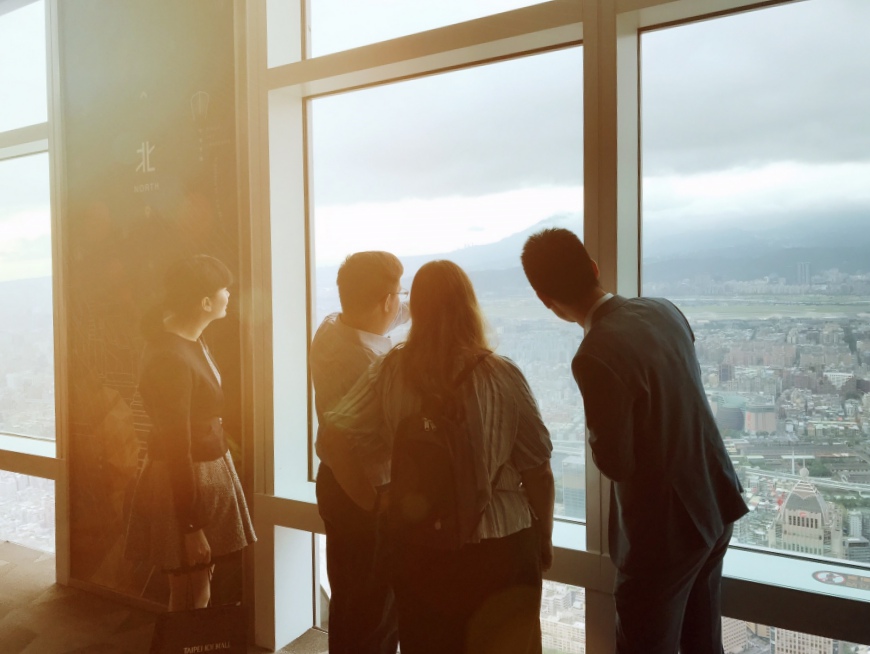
[[675, 493]]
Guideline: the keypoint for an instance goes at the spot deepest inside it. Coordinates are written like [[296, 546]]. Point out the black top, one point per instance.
[[653, 434], [184, 400]]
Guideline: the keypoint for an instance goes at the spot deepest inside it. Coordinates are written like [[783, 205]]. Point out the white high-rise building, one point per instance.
[[793, 642], [803, 273], [856, 523], [734, 638], [563, 634], [806, 523]]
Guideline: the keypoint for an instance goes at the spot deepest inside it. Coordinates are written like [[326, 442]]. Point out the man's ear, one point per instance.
[[385, 305], [595, 270], [206, 304]]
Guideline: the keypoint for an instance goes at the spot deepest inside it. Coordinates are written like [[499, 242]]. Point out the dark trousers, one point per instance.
[[362, 613], [675, 609], [482, 599]]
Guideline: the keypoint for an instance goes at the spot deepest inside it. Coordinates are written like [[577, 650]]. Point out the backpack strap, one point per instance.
[[434, 403], [467, 370]]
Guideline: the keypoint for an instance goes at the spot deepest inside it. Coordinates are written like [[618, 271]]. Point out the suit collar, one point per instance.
[[590, 312], [605, 309]]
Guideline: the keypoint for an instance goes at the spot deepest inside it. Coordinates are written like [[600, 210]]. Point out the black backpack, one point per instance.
[[434, 495]]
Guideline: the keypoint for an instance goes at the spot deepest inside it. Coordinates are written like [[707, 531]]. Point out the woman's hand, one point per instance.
[[196, 548], [541, 493]]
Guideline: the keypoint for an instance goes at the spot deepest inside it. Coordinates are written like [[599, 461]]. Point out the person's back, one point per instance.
[[674, 494], [674, 445], [339, 355], [486, 594], [362, 614], [501, 414]]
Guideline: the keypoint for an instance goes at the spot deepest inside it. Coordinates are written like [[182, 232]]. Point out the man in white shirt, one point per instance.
[[362, 616]]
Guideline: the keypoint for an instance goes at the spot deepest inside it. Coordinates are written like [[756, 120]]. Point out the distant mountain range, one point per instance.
[[501, 255], [721, 250], [764, 247]]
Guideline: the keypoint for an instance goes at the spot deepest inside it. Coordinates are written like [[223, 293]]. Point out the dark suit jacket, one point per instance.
[[652, 433]]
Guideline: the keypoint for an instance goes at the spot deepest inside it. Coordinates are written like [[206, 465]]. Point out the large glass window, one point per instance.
[[754, 141], [22, 67], [26, 336], [756, 159], [464, 166]]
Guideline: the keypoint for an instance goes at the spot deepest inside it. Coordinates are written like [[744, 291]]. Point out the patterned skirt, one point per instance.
[[153, 532]]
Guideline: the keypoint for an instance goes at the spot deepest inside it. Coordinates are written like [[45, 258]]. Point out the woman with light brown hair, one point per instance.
[[485, 595]]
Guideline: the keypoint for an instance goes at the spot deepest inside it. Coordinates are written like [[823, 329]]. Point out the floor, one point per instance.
[[37, 616]]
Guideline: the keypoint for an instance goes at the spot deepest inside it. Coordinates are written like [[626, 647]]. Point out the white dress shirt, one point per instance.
[[587, 323]]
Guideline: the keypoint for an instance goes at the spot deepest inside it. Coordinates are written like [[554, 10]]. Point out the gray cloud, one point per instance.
[[483, 130], [784, 83]]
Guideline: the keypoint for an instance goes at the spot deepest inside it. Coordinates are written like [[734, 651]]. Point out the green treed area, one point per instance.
[[526, 307], [774, 306]]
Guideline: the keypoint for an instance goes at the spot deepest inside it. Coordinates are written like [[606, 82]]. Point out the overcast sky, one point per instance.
[[765, 112], [25, 221]]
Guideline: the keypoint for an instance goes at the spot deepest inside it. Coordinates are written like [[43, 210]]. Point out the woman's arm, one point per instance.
[[336, 451], [541, 493], [352, 439], [531, 456], [166, 387]]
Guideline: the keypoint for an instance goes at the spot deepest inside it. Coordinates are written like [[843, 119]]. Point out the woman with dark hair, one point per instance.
[[188, 508], [485, 596]]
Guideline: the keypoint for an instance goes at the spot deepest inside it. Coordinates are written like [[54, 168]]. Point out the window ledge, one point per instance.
[[29, 456]]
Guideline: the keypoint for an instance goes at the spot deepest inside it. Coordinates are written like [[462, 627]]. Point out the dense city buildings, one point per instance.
[[790, 642], [574, 487], [734, 635], [563, 619], [789, 389], [27, 359], [27, 511]]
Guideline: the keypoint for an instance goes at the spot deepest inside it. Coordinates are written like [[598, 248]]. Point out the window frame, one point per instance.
[[277, 148], [20, 454]]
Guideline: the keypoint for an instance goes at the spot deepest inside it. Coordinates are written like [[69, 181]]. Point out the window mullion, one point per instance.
[[611, 220]]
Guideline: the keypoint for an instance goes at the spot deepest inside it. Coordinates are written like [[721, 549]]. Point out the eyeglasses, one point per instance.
[[402, 293]]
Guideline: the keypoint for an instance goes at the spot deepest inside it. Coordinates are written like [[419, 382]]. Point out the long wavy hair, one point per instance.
[[446, 325]]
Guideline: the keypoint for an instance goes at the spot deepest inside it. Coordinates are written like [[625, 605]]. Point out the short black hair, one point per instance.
[[191, 279], [557, 265], [366, 278]]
